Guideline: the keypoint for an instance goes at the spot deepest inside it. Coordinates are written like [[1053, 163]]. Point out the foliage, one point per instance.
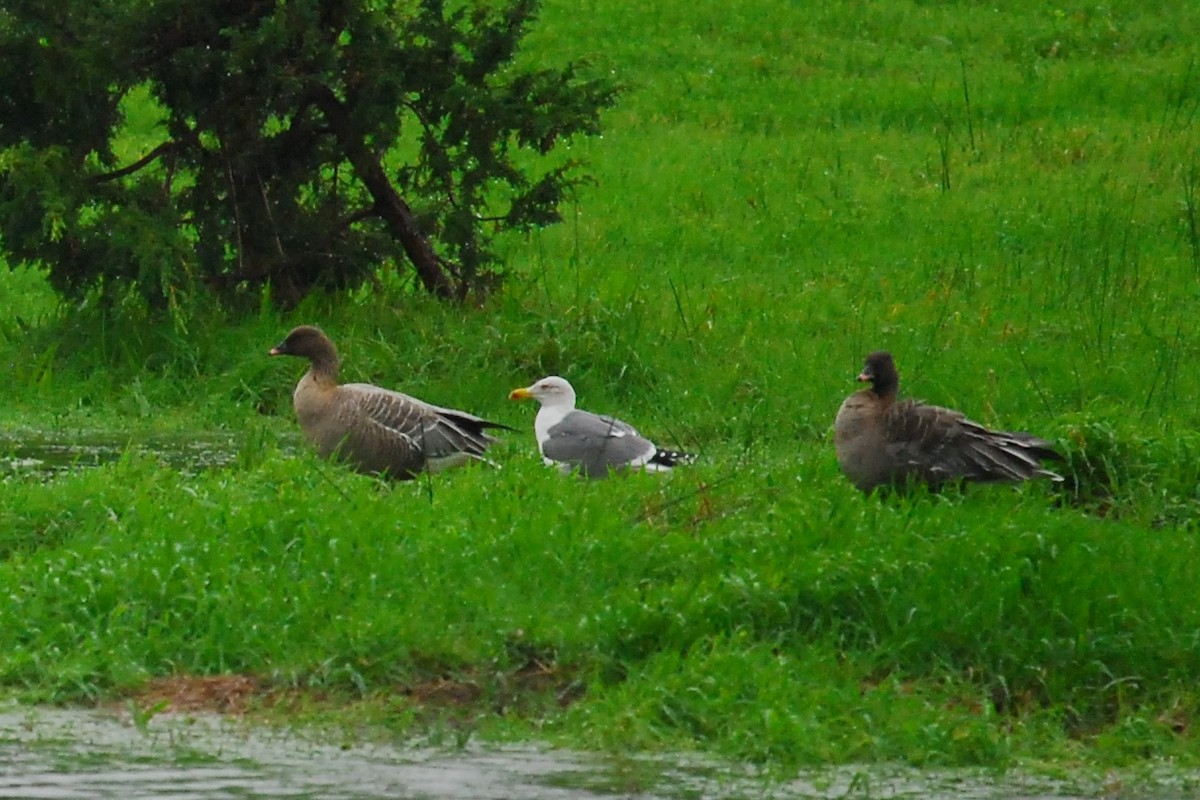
[[783, 626], [1009, 207], [297, 145]]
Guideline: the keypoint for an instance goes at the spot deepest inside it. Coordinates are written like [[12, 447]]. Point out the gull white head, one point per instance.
[[551, 392]]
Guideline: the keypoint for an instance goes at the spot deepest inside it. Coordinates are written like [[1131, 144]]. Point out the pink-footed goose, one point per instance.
[[884, 442], [375, 430]]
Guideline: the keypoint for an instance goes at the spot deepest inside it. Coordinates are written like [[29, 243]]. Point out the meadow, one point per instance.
[[1004, 197]]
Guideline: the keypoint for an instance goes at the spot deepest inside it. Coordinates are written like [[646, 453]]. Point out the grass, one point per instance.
[[1003, 198]]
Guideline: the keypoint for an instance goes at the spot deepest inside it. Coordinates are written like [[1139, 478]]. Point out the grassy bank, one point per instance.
[[1004, 199]]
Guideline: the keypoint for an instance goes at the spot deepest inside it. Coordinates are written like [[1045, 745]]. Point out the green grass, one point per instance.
[[1003, 198]]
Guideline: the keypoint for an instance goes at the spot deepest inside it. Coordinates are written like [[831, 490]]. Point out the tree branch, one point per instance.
[[155, 154], [430, 267]]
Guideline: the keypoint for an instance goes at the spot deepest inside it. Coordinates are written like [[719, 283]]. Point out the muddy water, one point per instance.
[[62, 754]]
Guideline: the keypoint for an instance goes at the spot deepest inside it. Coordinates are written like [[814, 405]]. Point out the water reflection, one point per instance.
[[64, 754]]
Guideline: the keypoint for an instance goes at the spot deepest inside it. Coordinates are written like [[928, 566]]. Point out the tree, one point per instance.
[[300, 144]]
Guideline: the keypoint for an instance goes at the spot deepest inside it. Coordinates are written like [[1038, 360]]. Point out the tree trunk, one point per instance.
[[390, 206]]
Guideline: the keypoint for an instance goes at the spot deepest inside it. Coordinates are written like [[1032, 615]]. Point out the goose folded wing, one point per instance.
[[448, 432], [926, 440], [1000, 455], [411, 424], [942, 444]]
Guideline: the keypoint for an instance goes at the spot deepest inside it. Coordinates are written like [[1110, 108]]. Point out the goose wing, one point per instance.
[[402, 434], [940, 444]]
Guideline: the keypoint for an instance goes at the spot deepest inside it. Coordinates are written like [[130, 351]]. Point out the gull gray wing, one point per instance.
[[596, 443]]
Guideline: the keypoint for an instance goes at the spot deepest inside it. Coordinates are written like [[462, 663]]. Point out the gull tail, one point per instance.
[[669, 459]]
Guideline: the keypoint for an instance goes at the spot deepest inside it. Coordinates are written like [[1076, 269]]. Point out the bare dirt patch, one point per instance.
[[530, 688], [222, 694]]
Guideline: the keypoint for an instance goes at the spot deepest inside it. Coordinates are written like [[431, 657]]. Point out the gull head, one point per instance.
[[550, 391]]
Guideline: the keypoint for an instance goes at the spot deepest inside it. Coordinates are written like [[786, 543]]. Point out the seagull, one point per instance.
[[593, 444]]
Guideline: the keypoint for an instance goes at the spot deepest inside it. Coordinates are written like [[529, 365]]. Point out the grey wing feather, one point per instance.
[[595, 443]]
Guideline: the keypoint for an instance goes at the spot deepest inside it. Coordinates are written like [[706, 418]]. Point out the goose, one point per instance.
[[376, 430], [884, 442], [593, 444]]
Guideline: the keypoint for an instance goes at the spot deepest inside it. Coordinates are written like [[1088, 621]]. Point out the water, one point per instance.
[[49, 454], [63, 754]]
